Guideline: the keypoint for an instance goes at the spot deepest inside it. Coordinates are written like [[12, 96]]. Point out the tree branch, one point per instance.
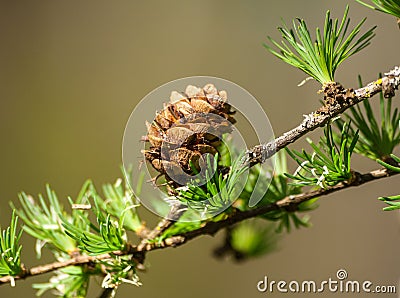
[[319, 118], [290, 202], [209, 228], [79, 260]]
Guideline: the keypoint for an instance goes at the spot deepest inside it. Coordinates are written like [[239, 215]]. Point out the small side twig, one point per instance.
[[174, 214], [106, 293], [226, 248]]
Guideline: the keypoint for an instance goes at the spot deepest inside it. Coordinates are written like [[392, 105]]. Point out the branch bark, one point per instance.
[[210, 228], [76, 261], [290, 202], [319, 118]]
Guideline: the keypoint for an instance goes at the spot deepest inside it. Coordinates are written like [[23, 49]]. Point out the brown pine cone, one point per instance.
[[190, 125]]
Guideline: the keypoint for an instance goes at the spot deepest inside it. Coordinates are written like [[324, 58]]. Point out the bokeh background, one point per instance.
[[71, 72]]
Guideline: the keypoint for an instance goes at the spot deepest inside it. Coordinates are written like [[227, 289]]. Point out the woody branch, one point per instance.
[[209, 228]]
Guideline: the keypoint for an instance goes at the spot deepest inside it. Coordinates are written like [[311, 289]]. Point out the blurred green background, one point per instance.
[[71, 72]]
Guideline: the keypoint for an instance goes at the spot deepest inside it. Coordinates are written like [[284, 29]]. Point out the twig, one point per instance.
[[210, 228], [391, 81], [290, 202], [226, 247], [106, 293], [174, 214], [79, 260]]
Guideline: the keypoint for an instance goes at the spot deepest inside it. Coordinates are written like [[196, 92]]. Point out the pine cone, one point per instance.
[[190, 125]]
